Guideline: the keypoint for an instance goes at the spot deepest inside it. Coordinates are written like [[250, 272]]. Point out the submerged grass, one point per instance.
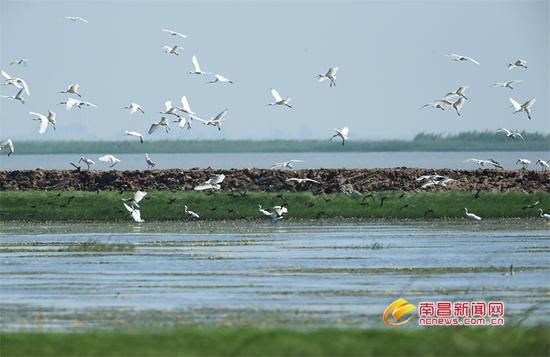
[[282, 342], [167, 205]]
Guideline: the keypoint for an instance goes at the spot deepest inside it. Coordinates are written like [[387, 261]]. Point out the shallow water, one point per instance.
[[58, 276], [452, 160]]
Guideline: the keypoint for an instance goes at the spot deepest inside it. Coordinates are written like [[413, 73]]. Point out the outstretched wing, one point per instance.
[[345, 131], [332, 72], [276, 95], [515, 104], [138, 196], [153, 127], [5, 75], [196, 64], [185, 104], [528, 104], [217, 179], [220, 116]]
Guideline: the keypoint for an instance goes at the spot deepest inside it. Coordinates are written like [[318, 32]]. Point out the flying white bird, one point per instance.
[[342, 133], [172, 50], [20, 61], [45, 120], [485, 162], [196, 67], [17, 82], [525, 107], [76, 18], [278, 99], [134, 133], [170, 109], [456, 57], [524, 163], [287, 164], [443, 182], [331, 74], [134, 107], [162, 122], [134, 213], [72, 88], [183, 122], [517, 63], [136, 199], [221, 79], [511, 134], [212, 183], [71, 103], [301, 180], [217, 121], [150, 163], [110, 159], [191, 214], [457, 106], [88, 162], [438, 104], [174, 33], [434, 177], [7, 144], [185, 106], [459, 92], [543, 164], [506, 84], [546, 216], [276, 215], [18, 96], [471, 216]]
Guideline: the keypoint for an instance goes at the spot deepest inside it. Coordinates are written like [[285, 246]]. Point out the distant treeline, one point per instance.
[[467, 141]]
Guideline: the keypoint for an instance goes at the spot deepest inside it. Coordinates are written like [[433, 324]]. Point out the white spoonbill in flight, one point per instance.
[[22, 61], [88, 162], [459, 92], [174, 33], [342, 133], [172, 50], [301, 180], [481, 162], [136, 199], [438, 104], [517, 63], [76, 18], [17, 82], [135, 134], [18, 96], [276, 215], [459, 58], [511, 134], [134, 107], [506, 84], [331, 74], [73, 89], [471, 216], [543, 164], [7, 144], [525, 107], [217, 121], [211, 184], [286, 165], [110, 159], [278, 99], [196, 67], [170, 109], [44, 120], [162, 122], [218, 78], [185, 106]]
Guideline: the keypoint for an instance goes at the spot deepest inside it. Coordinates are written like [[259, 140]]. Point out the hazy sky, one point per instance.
[[391, 57]]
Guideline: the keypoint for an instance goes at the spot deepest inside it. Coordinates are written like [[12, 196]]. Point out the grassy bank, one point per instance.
[[281, 342], [469, 141], [167, 205]]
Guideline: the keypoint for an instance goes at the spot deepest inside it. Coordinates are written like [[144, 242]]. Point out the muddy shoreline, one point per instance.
[[331, 180]]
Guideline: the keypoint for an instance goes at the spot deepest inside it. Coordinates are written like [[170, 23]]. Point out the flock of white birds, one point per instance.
[[183, 116]]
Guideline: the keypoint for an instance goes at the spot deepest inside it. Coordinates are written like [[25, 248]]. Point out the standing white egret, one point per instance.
[[44, 120], [331, 74], [525, 107], [88, 162], [438, 104], [506, 84], [73, 89], [17, 82], [7, 144], [196, 67], [543, 164], [174, 33], [546, 216], [471, 216], [76, 18], [212, 183], [511, 134], [18, 96], [342, 133], [134, 107], [172, 50], [278, 99], [191, 214], [457, 106], [220, 79], [458, 58], [459, 92], [22, 61], [286, 165], [162, 122], [150, 163], [135, 134], [217, 121], [524, 163], [517, 63], [110, 159]]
